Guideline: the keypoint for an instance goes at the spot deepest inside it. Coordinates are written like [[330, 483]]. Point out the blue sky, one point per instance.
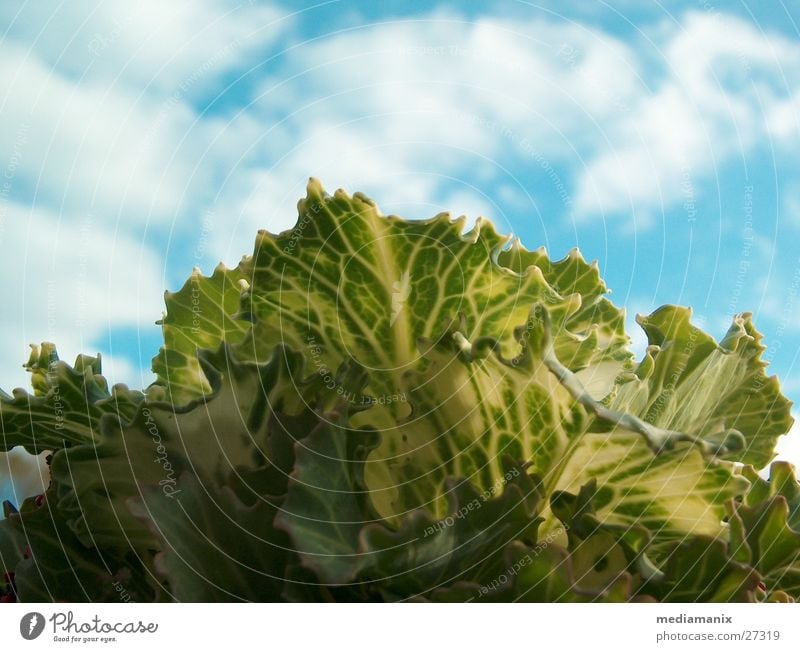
[[140, 140]]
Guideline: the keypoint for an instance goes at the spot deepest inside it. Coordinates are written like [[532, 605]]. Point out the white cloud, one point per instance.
[[725, 88], [409, 115], [420, 117], [783, 120], [395, 111], [778, 293], [789, 445], [635, 306], [129, 160], [100, 143], [148, 45], [790, 206], [22, 475], [83, 146], [534, 79], [68, 282], [97, 102]]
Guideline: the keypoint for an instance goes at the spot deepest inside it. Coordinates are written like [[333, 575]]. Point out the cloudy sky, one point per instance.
[[141, 139]]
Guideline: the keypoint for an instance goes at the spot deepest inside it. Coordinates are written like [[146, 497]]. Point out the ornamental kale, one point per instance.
[[370, 408]]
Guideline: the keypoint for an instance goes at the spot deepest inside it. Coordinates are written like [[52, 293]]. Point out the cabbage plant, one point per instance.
[[370, 408]]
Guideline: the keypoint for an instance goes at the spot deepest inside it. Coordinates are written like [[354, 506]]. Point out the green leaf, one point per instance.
[[339, 538], [471, 406], [327, 503], [330, 516], [230, 431], [201, 315], [324, 511], [348, 282], [12, 539], [67, 404], [354, 283], [546, 572], [424, 554], [689, 383], [214, 548], [700, 569], [767, 526], [594, 334], [56, 566], [782, 482], [602, 551]]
